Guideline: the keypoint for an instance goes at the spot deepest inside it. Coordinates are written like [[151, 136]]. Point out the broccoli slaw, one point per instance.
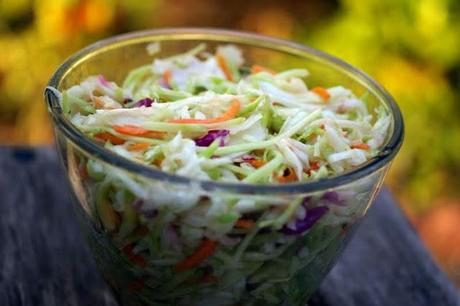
[[210, 116]]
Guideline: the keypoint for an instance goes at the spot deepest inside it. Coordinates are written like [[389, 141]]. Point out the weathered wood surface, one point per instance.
[[44, 260]]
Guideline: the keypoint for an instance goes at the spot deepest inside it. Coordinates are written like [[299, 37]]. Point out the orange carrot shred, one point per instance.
[[106, 136], [97, 102], [205, 250], [138, 147], [229, 114], [141, 231], [257, 68], [209, 279], [361, 146], [256, 163], [313, 166], [322, 92], [223, 65], [244, 223], [155, 134], [291, 177], [136, 284], [136, 259], [134, 130], [83, 171], [167, 75], [158, 162]]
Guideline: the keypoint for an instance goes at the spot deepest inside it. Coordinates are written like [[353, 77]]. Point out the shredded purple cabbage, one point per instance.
[[103, 81], [171, 238], [247, 157], [212, 135], [333, 197], [146, 102], [138, 203], [311, 217], [148, 213]]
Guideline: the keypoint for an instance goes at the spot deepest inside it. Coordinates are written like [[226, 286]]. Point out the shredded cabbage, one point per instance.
[[206, 116]]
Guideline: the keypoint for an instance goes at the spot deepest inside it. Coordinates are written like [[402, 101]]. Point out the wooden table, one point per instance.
[[44, 260]]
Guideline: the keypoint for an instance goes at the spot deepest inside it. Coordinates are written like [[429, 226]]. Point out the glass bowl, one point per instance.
[[174, 256]]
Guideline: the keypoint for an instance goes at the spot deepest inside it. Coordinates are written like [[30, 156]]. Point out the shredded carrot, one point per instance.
[[83, 171], [110, 218], [97, 102], [136, 259], [106, 136], [167, 77], [257, 68], [361, 146], [291, 177], [229, 114], [244, 223], [322, 92], [138, 147], [313, 166], [155, 134], [141, 231], [134, 130], [158, 162], [341, 109], [223, 65], [205, 250], [344, 230], [208, 279], [256, 163], [136, 284], [313, 136]]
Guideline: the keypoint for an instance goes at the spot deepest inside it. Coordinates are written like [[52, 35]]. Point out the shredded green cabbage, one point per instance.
[[208, 117]]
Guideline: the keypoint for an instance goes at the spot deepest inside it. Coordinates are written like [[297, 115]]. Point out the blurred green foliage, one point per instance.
[[410, 46], [413, 49]]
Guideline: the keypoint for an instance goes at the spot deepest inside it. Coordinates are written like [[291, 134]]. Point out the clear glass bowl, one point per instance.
[[138, 254]]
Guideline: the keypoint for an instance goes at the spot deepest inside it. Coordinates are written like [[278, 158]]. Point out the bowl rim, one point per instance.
[[384, 157]]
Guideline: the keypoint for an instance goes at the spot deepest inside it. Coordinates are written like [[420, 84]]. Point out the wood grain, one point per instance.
[[44, 260]]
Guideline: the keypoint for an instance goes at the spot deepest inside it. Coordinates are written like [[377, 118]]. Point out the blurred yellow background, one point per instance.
[[411, 47]]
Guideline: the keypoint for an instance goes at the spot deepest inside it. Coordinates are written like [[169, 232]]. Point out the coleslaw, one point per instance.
[[211, 116]]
